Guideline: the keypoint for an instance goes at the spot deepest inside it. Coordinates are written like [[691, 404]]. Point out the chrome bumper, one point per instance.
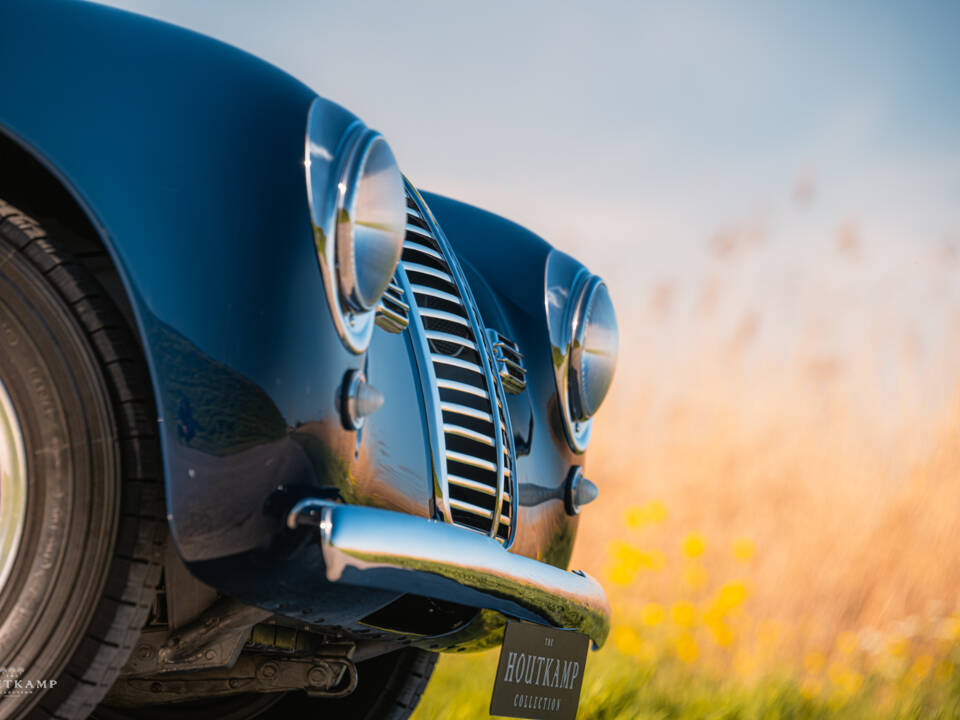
[[386, 550]]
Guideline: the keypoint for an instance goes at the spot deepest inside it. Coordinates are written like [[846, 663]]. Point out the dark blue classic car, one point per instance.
[[276, 427]]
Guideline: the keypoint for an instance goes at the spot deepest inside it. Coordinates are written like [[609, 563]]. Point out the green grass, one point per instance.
[[617, 686]]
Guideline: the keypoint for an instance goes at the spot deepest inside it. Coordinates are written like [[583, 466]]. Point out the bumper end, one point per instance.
[[386, 550]]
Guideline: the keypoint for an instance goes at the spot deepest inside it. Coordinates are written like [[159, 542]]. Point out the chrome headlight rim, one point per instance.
[[338, 146], [570, 290]]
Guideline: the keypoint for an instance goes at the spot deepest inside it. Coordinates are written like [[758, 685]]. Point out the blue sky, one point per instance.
[[637, 134], [663, 119]]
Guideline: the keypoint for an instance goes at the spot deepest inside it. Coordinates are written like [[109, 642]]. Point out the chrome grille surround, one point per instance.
[[471, 440]]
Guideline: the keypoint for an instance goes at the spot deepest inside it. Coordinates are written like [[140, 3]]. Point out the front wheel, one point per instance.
[[81, 503]]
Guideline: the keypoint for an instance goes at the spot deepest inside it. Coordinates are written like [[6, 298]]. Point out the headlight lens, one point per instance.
[[370, 223], [358, 208], [594, 352], [584, 339]]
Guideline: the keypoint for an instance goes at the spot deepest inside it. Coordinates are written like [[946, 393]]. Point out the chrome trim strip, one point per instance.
[[471, 484], [462, 387], [457, 362], [519, 368], [444, 315], [452, 429], [470, 508], [427, 270], [433, 292], [468, 411], [373, 548], [417, 229], [422, 248], [438, 336], [471, 461], [511, 347]]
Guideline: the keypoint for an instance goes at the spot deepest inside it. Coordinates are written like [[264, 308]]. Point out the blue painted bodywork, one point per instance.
[[187, 155]]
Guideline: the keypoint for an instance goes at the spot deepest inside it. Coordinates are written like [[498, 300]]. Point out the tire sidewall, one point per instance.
[[72, 462]]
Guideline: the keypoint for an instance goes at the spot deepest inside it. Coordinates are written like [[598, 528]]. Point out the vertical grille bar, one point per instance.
[[471, 440]]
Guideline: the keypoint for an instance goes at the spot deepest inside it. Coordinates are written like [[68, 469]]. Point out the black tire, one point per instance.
[[88, 563]]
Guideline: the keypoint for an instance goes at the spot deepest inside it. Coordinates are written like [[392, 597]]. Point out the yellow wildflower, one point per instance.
[[950, 628], [730, 596], [626, 639], [695, 576], [683, 614], [814, 661], [694, 545], [919, 670], [722, 634], [653, 512], [652, 614], [686, 648], [620, 574], [898, 646], [636, 558], [744, 550], [845, 680]]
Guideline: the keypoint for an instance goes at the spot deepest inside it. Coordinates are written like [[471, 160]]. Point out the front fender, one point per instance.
[[187, 155]]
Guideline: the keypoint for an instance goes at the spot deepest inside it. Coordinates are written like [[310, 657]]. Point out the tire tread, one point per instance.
[[135, 568]]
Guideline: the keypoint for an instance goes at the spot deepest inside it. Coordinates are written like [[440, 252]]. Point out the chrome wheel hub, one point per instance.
[[13, 485]]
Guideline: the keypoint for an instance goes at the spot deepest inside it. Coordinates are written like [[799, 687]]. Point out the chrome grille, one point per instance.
[[509, 363], [474, 460]]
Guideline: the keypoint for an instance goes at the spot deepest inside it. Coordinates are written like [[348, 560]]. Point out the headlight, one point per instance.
[[593, 357], [583, 332], [358, 209]]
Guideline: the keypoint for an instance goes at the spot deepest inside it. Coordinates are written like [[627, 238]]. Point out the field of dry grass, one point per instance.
[[780, 485]]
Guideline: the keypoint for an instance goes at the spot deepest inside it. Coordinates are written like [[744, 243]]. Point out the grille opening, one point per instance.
[[418, 221], [474, 497], [437, 278], [459, 444], [471, 472], [393, 306], [447, 326], [437, 303], [470, 520], [503, 532], [458, 374], [422, 256], [439, 347], [465, 399], [465, 421]]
